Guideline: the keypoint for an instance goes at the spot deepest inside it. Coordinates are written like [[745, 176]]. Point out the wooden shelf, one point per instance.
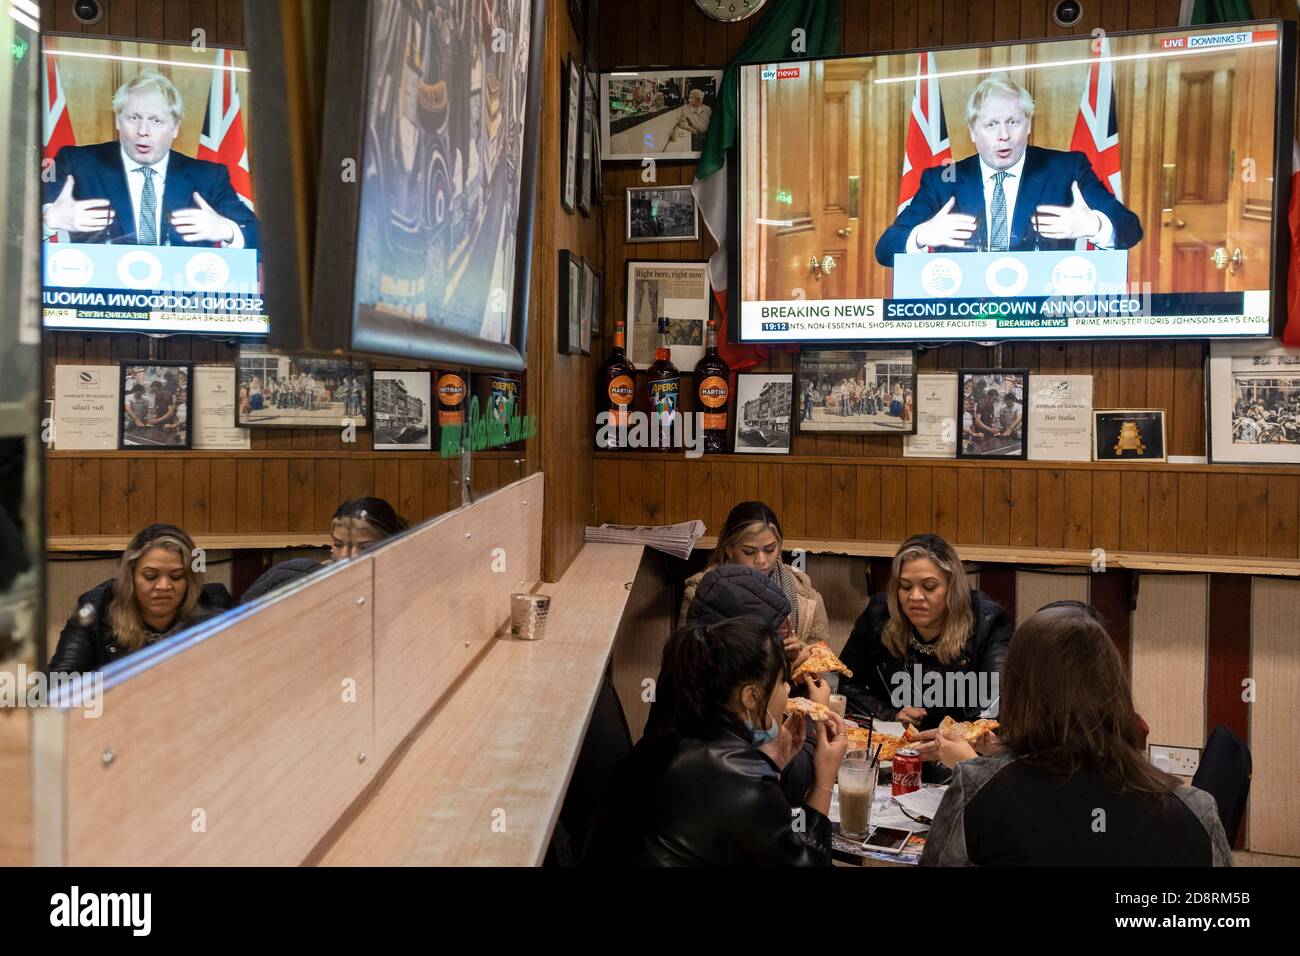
[[1055, 557], [1118, 468], [254, 453], [210, 542]]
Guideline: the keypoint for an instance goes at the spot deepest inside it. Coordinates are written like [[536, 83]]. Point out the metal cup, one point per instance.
[[528, 613]]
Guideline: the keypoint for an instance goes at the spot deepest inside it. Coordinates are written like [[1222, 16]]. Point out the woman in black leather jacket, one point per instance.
[[705, 790], [357, 524], [928, 647], [156, 593]]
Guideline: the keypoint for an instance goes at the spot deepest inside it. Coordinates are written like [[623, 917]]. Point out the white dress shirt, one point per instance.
[[1104, 238], [135, 183]]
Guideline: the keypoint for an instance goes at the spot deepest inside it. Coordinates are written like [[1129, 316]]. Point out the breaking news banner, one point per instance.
[[1202, 314], [1042, 198]]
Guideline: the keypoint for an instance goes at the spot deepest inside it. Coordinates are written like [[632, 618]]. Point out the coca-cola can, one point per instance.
[[906, 772]]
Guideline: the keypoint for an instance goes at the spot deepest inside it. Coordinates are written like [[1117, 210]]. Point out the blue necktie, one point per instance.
[[998, 239], [147, 227]]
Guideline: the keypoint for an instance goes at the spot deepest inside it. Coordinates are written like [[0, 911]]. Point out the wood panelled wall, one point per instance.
[[291, 479], [567, 393], [861, 486]]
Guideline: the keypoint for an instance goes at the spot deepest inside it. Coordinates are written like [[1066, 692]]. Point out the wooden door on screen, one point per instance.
[[1217, 207], [814, 174]]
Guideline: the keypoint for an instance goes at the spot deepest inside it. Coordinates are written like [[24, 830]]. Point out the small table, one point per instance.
[[884, 812]]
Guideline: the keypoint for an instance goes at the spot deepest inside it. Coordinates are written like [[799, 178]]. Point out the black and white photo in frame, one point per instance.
[[661, 214], [763, 413], [1253, 391], [403, 410], [571, 126]]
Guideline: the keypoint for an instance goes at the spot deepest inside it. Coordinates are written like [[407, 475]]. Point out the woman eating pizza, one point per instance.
[[1070, 784], [703, 790], [752, 537], [928, 646]]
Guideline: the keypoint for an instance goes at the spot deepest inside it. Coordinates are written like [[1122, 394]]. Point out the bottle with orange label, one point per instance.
[[452, 392], [617, 384], [713, 392], [664, 389]]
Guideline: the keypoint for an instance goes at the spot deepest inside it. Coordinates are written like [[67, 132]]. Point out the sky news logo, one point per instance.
[[785, 73]]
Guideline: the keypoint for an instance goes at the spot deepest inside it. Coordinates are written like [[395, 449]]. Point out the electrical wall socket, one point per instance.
[[1180, 761]]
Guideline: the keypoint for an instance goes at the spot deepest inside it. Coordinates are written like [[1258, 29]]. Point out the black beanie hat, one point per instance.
[[734, 590]]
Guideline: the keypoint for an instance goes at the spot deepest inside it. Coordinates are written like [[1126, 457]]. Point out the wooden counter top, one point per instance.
[[481, 781]]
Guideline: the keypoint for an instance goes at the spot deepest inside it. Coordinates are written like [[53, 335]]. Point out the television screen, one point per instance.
[[1120, 185], [148, 215]]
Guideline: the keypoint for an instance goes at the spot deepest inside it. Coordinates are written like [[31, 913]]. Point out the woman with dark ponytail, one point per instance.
[[358, 524], [704, 788]]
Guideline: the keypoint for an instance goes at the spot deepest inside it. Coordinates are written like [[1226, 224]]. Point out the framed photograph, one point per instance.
[[598, 306], [291, 391], [571, 132], [568, 311], [763, 413], [403, 409], [588, 306], [428, 255], [662, 114], [991, 409], [577, 16], [591, 117], [676, 289], [155, 410], [1253, 402], [661, 214], [857, 391], [1128, 434], [587, 150]]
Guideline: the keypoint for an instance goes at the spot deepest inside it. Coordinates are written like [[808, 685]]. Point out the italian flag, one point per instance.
[[790, 30]]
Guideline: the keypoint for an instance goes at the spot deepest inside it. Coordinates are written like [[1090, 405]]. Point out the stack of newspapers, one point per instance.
[[675, 539]]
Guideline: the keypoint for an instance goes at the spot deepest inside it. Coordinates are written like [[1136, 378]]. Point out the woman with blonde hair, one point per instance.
[[156, 593], [752, 536], [928, 646], [1070, 757]]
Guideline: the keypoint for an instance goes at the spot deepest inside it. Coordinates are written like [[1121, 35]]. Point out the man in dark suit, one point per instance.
[[1009, 196], [136, 189]]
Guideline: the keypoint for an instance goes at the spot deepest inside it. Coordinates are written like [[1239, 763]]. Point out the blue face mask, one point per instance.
[[760, 737]]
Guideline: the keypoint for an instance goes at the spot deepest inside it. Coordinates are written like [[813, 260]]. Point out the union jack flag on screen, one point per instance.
[[57, 122], [222, 140], [1096, 130], [926, 143]]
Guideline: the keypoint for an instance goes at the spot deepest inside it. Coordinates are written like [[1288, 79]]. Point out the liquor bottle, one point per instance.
[[617, 383], [712, 388], [664, 385], [452, 392], [504, 402]]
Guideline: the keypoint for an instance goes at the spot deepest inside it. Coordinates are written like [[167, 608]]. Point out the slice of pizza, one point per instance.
[[968, 730], [910, 733], [809, 708], [822, 661]]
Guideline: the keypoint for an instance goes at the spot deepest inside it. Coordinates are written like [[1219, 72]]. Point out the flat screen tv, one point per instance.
[[1130, 185], [149, 221]]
